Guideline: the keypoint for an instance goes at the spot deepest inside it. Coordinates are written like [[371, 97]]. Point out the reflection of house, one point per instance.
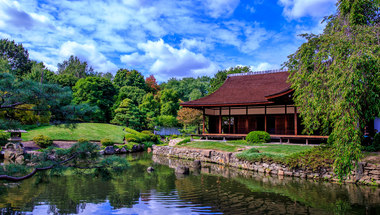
[[248, 102]]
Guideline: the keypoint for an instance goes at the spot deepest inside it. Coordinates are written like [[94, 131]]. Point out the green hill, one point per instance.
[[90, 131]]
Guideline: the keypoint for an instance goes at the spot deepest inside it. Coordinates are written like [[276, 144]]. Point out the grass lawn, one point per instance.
[[284, 149], [228, 146], [90, 131]]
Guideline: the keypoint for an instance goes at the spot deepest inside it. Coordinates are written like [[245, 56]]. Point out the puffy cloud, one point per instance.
[[164, 61], [195, 44], [89, 53], [263, 66], [221, 8], [301, 8]]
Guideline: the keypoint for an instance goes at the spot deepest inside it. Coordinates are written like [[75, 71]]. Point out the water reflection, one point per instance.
[[212, 189]]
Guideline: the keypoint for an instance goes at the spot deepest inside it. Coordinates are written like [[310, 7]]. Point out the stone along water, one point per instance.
[[213, 189]]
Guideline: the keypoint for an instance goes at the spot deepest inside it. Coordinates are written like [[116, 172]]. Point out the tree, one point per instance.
[[14, 93], [189, 88], [131, 92], [336, 78], [66, 80], [150, 107], [127, 114], [124, 77], [75, 67], [95, 91], [41, 74], [152, 85], [189, 116], [169, 102], [221, 76], [17, 57]]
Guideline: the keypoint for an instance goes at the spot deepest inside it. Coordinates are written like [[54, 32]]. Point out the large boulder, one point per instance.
[[109, 150]]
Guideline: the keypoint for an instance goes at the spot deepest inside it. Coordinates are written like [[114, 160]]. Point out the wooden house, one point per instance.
[[248, 102]]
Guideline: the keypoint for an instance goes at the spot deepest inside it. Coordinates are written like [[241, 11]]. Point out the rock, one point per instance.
[[123, 150], [150, 169], [20, 159], [149, 150], [109, 150], [101, 152], [197, 164], [182, 170], [137, 148], [9, 155], [206, 153], [280, 172]]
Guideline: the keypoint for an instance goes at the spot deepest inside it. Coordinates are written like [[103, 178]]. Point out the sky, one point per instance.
[[166, 38]]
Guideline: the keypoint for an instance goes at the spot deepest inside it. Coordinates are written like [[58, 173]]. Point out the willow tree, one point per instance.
[[336, 78]]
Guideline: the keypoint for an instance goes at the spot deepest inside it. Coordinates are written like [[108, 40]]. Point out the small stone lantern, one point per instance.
[[15, 135]]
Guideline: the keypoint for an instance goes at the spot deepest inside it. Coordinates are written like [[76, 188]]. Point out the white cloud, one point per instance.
[[164, 61], [89, 53], [263, 66], [195, 44], [251, 9], [301, 8], [221, 8]]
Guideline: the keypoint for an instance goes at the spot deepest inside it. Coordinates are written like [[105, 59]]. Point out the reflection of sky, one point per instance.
[[157, 203]]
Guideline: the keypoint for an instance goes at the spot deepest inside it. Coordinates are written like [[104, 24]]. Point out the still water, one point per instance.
[[213, 189]]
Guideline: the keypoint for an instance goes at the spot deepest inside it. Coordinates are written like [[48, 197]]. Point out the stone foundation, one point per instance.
[[366, 173]]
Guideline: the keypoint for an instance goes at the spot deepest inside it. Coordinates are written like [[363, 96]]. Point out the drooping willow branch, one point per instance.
[[12, 178]]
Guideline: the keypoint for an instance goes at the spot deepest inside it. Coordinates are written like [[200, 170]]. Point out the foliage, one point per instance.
[[43, 97], [148, 144], [26, 115], [139, 137], [188, 88], [133, 93], [167, 121], [66, 80], [258, 137], [133, 78], [41, 74], [82, 140], [336, 78], [17, 57], [169, 102], [127, 114], [89, 131], [317, 158], [375, 146], [43, 141], [189, 116], [221, 76], [75, 67], [95, 91], [3, 138], [150, 107], [106, 142], [152, 85]]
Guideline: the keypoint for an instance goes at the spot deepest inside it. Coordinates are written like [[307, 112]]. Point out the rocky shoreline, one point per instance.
[[365, 173]]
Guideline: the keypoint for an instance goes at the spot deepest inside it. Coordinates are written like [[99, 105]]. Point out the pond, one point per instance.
[[213, 189]]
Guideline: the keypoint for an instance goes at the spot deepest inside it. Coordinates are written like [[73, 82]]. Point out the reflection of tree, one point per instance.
[[69, 194]]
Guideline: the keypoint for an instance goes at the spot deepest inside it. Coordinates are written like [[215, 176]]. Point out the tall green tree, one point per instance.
[[221, 76], [125, 77], [189, 88], [150, 107], [17, 57], [95, 91], [336, 77], [169, 100], [41, 74], [76, 67], [127, 114]]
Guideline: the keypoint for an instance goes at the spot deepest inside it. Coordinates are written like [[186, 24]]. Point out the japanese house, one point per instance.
[[248, 102]]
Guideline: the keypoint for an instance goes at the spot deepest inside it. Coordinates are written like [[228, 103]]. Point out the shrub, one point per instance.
[[148, 144], [3, 138], [167, 121], [43, 141], [82, 140], [147, 132], [258, 137], [138, 137], [106, 142], [312, 159]]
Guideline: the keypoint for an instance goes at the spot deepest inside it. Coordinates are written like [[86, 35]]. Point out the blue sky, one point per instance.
[[166, 38]]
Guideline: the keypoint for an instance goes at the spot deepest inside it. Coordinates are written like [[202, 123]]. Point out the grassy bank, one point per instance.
[[90, 131], [228, 146]]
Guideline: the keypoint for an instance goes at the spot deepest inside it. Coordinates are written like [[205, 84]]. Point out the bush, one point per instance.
[[147, 132], [82, 140], [134, 136], [148, 144], [3, 138], [106, 142], [43, 141], [258, 137], [167, 121]]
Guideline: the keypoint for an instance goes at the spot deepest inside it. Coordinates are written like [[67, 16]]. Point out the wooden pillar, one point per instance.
[[265, 118], [246, 121], [286, 121], [204, 117], [295, 121], [229, 120], [220, 120]]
